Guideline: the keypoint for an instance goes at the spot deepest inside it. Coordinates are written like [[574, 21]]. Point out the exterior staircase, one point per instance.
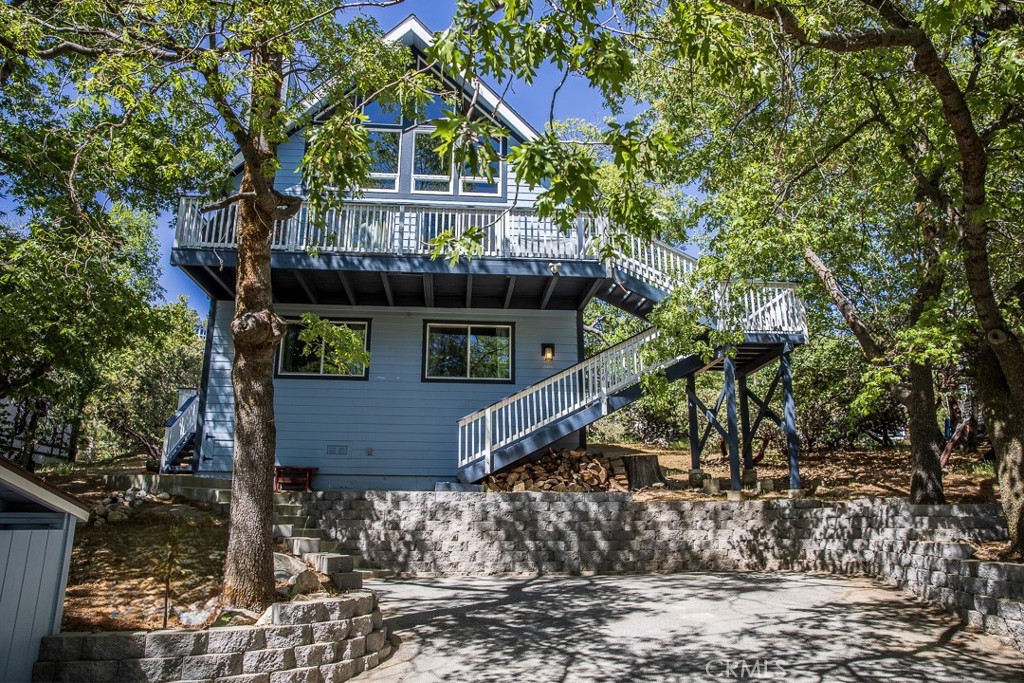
[[179, 452], [297, 530], [525, 422]]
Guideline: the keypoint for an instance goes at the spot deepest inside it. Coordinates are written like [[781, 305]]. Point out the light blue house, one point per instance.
[[472, 366]]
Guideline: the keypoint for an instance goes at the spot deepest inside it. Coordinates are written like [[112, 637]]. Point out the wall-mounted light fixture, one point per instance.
[[547, 352]]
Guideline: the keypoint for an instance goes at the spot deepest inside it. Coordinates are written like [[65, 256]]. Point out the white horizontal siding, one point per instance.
[[410, 425]]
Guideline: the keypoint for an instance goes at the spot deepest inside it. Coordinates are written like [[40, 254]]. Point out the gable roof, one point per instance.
[[414, 33], [18, 485]]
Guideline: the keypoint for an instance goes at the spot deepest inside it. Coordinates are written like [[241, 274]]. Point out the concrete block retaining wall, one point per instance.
[[323, 641], [922, 549]]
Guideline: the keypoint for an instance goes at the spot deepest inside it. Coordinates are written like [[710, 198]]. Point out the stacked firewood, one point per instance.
[[559, 471]]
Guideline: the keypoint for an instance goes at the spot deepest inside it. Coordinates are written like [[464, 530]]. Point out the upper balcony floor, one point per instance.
[[379, 253]]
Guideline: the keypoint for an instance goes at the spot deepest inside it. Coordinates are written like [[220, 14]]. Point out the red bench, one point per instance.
[[289, 478]]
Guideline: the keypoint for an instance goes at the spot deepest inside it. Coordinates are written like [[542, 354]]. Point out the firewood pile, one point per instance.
[[562, 471]]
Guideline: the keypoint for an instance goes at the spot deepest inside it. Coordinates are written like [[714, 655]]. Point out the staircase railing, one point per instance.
[[180, 427], [518, 415], [763, 307], [655, 262]]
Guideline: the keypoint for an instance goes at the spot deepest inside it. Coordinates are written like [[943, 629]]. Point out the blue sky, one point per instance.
[[575, 100]]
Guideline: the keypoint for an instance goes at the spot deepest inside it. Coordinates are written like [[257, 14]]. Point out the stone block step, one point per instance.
[[347, 580], [329, 563], [206, 494], [330, 547], [373, 573], [297, 545], [296, 521], [287, 509], [290, 531]]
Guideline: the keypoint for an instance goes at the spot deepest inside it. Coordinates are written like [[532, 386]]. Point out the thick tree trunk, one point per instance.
[[249, 565], [926, 442], [1004, 424]]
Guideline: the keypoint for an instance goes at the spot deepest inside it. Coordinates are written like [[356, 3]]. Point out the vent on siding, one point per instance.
[[335, 448]]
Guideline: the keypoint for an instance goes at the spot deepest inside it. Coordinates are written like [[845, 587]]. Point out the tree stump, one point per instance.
[[643, 471]]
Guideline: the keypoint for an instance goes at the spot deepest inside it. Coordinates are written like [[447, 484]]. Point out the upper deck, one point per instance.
[[377, 252]]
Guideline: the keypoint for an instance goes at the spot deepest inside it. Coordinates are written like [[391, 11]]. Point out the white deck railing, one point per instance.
[[179, 428], [387, 228], [655, 262], [762, 307], [562, 394]]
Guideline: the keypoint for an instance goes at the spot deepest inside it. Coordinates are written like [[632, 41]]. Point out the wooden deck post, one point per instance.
[[746, 438], [732, 431], [691, 404], [789, 418]]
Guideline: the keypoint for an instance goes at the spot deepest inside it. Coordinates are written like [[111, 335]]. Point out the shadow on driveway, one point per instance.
[[678, 627]]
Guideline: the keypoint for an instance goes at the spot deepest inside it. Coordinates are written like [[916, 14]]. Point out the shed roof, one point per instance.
[[18, 487]]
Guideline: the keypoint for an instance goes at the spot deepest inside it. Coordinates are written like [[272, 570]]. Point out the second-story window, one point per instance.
[[431, 172], [385, 143], [485, 178], [385, 152]]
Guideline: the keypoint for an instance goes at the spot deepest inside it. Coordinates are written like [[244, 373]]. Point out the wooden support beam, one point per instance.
[[217, 278], [387, 288], [745, 437], [428, 290], [710, 416], [546, 297], [763, 408], [469, 290], [346, 284], [511, 288], [695, 444], [585, 299], [732, 438], [305, 286], [789, 421]]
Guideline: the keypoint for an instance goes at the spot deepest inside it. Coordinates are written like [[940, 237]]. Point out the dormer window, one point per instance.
[[431, 172]]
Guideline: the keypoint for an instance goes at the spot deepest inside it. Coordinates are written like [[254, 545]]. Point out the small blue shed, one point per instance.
[[37, 527]]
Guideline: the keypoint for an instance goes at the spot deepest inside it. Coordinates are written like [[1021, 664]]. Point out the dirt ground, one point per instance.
[[119, 571], [841, 475]]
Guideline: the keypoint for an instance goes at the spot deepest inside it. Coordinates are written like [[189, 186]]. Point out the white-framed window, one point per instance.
[[468, 351], [483, 181], [297, 358], [385, 155], [431, 172]]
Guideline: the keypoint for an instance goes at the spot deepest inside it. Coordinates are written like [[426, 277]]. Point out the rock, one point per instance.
[[287, 563], [137, 502], [100, 511], [282, 576], [237, 616], [163, 495], [306, 582], [99, 521], [116, 517], [198, 613], [107, 501]]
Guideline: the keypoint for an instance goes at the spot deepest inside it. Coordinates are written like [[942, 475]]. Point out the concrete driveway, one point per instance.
[[679, 627]]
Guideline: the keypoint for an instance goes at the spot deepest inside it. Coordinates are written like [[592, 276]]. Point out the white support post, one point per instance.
[[488, 454]]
